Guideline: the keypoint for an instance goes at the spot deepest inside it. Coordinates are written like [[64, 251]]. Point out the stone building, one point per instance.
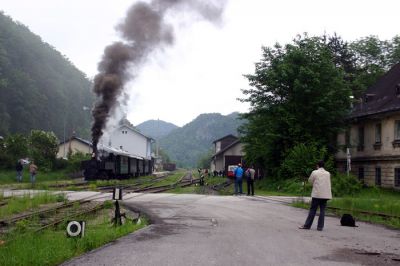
[[373, 137]]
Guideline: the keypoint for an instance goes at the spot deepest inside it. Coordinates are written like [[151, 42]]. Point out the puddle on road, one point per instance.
[[362, 257]]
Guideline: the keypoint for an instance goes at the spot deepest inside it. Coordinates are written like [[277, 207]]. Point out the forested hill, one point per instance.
[[156, 128], [39, 87], [186, 145]]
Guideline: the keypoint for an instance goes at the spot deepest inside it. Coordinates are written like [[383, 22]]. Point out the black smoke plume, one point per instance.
[[143, 30]]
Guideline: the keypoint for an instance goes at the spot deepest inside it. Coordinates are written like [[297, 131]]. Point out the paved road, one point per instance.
[[216, 230]]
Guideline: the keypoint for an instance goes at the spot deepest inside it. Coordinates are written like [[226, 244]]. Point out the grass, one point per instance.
[[52, 247], [170, 180], [371, 199], [9, 176], [28, 202], [186, 190]]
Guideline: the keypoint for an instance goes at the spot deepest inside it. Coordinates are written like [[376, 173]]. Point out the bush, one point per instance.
[[74, 161], [301, 160], [291, 186], [43, 148], [60, 164], [345, 185]]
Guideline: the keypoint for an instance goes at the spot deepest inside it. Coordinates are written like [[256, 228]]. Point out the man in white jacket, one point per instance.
[[321, 193]]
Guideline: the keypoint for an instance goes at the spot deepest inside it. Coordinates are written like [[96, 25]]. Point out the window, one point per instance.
[[360, 138], [397, 177], [378, 176], [120, 147], [361, 174], [397, 130], [378, 131]]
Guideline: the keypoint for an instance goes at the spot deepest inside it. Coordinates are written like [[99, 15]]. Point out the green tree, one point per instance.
[[372, 61], [298, 94], [43, 148], [205, 161], [394, 51], [164, 156], [301, 161], [15, 147]]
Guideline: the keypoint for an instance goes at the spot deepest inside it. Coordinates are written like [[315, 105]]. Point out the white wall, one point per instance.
[[75, 146], [132, 142]]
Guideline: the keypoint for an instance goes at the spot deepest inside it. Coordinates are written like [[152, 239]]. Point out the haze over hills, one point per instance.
[[187, 144], [156, 128], [39, 87]]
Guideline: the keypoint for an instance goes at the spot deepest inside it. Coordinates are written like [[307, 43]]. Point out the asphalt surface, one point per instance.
[[240, 230]]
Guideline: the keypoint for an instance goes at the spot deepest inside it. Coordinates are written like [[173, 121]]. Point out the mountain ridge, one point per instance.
[[186, 145]]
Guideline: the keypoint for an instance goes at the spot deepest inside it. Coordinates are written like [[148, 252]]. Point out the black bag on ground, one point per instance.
[[347, 220]]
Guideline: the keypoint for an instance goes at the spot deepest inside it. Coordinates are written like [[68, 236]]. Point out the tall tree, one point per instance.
[[298, 94], [43, 148]]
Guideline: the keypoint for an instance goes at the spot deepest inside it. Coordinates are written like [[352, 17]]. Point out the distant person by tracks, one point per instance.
[[33, 171], [250, 174], [238, 174]]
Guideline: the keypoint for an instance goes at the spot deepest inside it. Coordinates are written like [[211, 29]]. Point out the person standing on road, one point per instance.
[[250, 173], [321, 193], [238, 174], [19, 167], [33, 171]]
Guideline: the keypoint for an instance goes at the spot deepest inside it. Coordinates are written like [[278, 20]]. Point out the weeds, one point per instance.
[[29, 202], [52, 247]]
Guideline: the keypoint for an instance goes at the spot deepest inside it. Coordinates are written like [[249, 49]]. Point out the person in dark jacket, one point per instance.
[[250, 173], [19, 167]]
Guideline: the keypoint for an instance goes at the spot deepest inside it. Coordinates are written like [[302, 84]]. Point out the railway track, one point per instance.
[[54, 215], [4, 201], [133, 186]]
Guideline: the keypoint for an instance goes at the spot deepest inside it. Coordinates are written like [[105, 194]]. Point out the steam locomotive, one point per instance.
[[110, 163]]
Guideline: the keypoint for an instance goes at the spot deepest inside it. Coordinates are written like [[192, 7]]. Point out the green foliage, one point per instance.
[[282, 186], [164, 156], [345, 185], [298, 95], [156, 128], [187, 144], [52, 247], [74, 161], [39, 87], [205, 161], [60, 164], [28, 202], [43, 148], [9, 176], [14, 147], [301, 161]]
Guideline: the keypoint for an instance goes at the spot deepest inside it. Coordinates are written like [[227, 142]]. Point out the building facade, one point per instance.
[[74, 145], [127, 138], [228, 151], [373, 136]]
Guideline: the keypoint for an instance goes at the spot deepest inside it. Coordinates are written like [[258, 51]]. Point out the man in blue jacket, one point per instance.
[[238, 173]]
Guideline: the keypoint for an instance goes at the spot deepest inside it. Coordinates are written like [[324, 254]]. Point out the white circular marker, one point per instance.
[[74, 228]]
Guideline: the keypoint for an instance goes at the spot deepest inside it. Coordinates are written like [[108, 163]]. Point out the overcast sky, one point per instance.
[[203, 71]]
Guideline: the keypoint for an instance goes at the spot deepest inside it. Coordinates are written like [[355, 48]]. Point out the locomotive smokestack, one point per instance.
[[144, 30]]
